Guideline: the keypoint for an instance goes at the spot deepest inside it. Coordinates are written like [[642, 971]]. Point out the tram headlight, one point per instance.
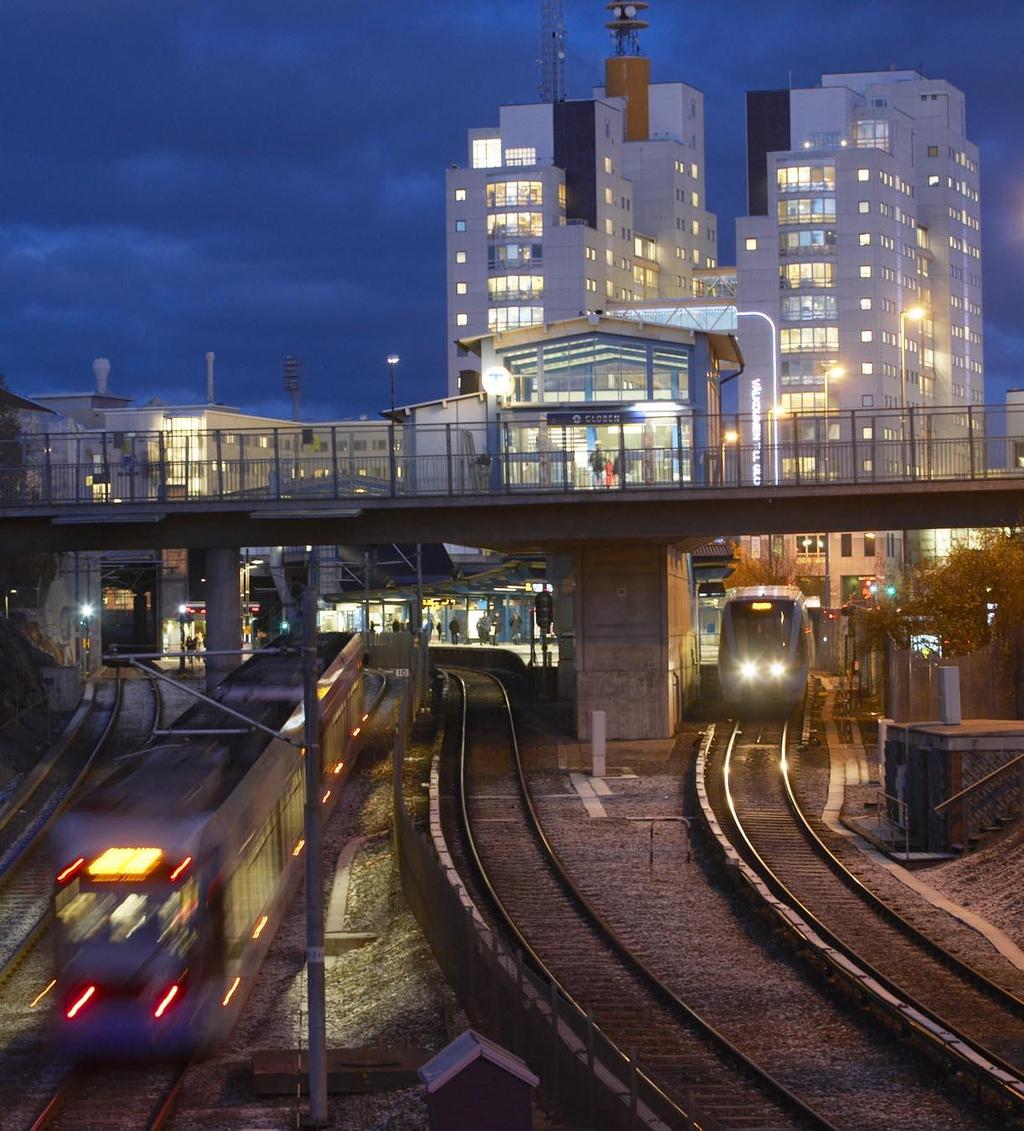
[[748, 669], [777, 669]]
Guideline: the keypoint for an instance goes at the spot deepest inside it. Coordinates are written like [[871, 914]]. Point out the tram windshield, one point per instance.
[[120, 915], [761, 628]]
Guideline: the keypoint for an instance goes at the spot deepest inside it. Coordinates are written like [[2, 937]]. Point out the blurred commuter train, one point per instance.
[[765, 648], [172, 876]]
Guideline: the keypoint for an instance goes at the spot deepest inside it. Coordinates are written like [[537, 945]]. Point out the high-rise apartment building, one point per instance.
[[863, 247], [566, 207], [863, 196]]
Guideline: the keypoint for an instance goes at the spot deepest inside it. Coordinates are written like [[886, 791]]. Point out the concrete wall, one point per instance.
[[634, 639]]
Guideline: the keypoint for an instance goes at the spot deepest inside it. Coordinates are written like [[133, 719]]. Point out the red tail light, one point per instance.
[[70, 870], [80, 1002], [166, 1000], [180, 868]]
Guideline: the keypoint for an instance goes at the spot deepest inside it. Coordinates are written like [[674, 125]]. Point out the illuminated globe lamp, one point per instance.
[[497, 381]]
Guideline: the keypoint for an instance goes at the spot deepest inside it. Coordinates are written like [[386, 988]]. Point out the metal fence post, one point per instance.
[[277, 465], [392, 472], [220, 466], [970, 439], [334, 459], [633, 1089], [853, 444], [49, 467], [592, 1083], [448, 450], [553, 1003]]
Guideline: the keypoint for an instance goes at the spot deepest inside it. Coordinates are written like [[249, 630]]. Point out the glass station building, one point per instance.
[[646, 397]]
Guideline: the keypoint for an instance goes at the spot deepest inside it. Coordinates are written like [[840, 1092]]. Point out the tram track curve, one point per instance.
[[497, 838]]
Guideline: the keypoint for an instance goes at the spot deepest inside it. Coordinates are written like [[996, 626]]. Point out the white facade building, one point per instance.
[[565, 207], [863, 246]]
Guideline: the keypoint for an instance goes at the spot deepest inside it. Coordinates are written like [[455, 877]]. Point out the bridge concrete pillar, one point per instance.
[[635, 652], [223, 612]]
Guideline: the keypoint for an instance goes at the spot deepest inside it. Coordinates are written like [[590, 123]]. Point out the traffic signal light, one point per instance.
[[543, 610]]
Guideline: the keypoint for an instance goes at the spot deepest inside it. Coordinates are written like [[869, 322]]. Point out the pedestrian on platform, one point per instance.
[[483, 629], [455, 628], [515, 624], [597, 462], [396, 624]]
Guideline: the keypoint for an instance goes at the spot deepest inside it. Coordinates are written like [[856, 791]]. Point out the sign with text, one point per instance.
[[590, 419]]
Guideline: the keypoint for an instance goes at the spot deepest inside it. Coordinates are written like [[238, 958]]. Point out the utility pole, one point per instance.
[[315, 993]]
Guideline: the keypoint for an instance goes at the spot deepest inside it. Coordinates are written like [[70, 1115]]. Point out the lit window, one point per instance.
[[693, 171], [462, 288], [867, 335], [607, 164], [608, 198], [460, 194], [864, 239], [694, 227], [863, 174], [461, 319], [526, 155], [460, 257], [863, 205], [933, 179], [865, 304], [933, 151], [695, 199], [487, 153], [867, 368], [751, 243], [865, 271]]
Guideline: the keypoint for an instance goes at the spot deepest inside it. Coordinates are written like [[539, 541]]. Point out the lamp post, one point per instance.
[[729, 437], [7, 608], [914, 314], [393, 360], [775, 385]]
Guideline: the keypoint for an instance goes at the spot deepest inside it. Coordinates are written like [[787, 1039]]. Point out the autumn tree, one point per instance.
[[748, 570]]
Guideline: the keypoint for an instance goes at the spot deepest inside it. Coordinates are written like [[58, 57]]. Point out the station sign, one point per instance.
[[589, 419]]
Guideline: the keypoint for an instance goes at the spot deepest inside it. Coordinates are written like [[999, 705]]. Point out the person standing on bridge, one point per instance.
[[597, 462]]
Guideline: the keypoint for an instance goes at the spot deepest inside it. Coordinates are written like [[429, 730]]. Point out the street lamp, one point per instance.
[[729, 437], [913, 314], [393, 360], [7, 595]]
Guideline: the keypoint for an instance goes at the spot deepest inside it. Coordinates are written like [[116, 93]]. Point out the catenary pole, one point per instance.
[[315, 995]]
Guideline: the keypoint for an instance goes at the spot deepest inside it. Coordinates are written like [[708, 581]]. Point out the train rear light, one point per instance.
[[748, 669], [165, 1001], [70, 870], [80, 1002], [180, 868]]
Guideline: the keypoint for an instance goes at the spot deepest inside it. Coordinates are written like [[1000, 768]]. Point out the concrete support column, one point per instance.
[[223, 612], [635, 642]]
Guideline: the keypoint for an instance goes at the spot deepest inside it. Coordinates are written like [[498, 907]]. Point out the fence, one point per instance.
[[516, 451], [582, 1072], [989, 687]]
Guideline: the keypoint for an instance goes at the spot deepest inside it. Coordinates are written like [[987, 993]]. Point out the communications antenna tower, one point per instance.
[[552, 50]]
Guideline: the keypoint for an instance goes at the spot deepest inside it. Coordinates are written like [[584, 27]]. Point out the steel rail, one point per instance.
[[985, 1066], [660, 989]]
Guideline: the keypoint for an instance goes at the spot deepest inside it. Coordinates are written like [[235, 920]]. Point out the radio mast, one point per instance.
[[552, 50]]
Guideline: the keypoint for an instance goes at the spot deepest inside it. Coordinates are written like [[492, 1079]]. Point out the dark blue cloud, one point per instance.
[[262, 179]]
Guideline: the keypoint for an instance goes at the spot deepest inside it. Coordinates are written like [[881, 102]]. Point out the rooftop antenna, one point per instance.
[[209, 377], [293, 383], [625, 26], [552, 50]]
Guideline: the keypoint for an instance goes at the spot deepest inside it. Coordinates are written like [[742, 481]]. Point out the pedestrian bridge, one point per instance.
[[327, 483]]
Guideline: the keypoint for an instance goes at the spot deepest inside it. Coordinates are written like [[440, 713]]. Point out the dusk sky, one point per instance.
[[263, 178]]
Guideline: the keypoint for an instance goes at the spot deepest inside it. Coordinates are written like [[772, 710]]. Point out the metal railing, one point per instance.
[[517, 452]]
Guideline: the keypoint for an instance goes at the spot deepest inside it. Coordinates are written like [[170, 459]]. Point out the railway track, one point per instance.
[[26, 880], [502, 853], [137, 1097], [976, 1024]]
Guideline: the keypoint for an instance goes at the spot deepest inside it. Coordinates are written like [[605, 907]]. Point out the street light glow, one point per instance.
[[915, 313], [730, 437], [393, 359], [87, 610]]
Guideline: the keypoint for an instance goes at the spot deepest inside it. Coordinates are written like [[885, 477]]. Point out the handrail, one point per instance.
[[978, 784]]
